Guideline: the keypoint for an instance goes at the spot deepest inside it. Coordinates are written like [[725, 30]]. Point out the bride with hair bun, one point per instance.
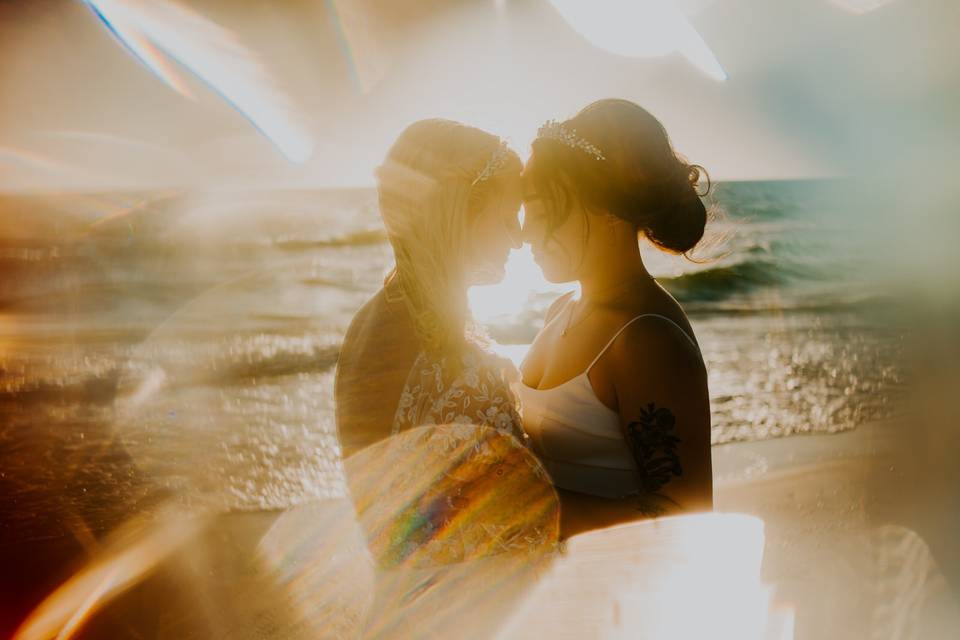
[[614, 390]]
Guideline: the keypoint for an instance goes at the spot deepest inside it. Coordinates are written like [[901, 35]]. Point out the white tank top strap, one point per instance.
[[631, 321]]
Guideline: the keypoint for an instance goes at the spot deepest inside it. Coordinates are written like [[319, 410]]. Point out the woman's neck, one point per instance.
[[607, 279]]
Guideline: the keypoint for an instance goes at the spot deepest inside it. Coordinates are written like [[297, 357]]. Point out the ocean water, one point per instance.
[[186, 342]]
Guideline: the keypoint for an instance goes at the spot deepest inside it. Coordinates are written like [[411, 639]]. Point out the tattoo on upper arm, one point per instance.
[[653, 443]]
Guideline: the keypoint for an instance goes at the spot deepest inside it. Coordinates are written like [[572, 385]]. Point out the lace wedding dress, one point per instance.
[[477, 392]]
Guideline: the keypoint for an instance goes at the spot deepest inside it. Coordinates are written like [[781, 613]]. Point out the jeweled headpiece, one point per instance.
[[553, 130], [496, 161]]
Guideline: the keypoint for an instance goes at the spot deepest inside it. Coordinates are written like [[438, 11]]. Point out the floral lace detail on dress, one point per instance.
[[479, 394], [455, 481]]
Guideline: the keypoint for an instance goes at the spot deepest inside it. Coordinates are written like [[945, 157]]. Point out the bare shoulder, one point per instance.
[[656, 343]]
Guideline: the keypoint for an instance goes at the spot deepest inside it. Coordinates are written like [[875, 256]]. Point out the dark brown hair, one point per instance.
[[641, 179]]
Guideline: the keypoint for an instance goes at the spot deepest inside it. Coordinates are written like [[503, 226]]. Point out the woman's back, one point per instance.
[[378, 352]]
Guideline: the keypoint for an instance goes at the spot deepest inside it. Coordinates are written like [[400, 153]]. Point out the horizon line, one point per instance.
[[7, 190]]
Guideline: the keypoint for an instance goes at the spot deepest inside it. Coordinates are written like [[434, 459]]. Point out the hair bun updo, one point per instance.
[[668, 211], [640, 179]]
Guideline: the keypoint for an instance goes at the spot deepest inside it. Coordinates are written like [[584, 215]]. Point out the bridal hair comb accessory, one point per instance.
[[497, 160], [553, 130]]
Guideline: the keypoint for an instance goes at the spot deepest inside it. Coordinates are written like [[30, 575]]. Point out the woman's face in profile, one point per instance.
[[495, 231], [558, 252]]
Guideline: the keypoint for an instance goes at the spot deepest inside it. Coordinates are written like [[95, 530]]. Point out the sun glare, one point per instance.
[[860, 7], [151, 31], [132, 552], [640, 29], [654, 574], [503, 301]]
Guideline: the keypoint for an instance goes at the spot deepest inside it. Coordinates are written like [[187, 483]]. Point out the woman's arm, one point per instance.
[[664, 409]]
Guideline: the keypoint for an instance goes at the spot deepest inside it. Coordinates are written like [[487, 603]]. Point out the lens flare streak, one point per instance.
[[154, 31], [34, 162], [135, 550], [640, 29], [860, 7], [361, 41]]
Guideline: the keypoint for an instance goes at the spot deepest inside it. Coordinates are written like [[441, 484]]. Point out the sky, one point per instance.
[[812, 87]]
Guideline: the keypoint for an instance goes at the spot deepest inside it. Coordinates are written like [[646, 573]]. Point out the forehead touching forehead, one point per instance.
[[527, 180], [543, 179]]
